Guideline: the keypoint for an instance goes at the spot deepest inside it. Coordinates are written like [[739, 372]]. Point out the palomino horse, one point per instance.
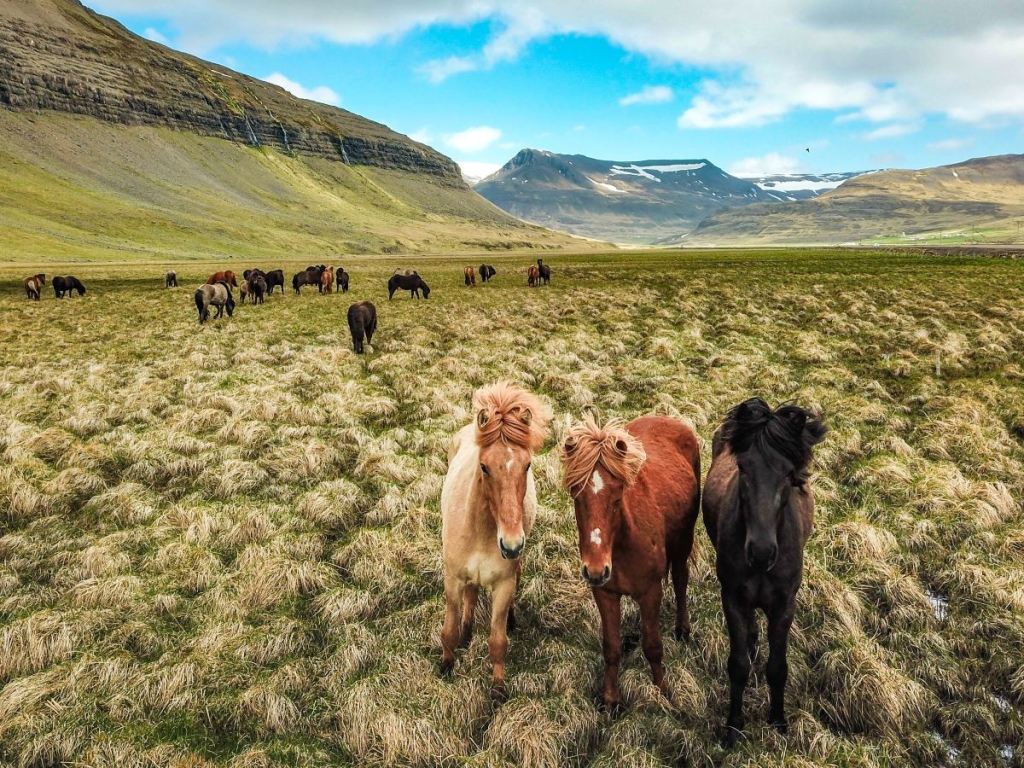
[[759, 511], [533, 276], [488, 503], [34, 286], [227, 276], [327, 280], [636, 489], [470, 275]]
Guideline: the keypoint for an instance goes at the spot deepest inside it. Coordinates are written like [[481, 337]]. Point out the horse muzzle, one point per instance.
[[597, 579], [511, 549]]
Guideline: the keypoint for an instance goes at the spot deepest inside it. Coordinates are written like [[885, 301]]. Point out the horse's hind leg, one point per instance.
[[681, 579], [468, 609], [450, 631]]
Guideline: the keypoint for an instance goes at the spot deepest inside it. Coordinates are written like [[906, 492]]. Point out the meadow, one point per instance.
[[220, 545]]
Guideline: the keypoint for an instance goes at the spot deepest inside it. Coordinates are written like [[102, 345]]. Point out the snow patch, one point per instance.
[[644, 170], [799, 186], [605, 186]]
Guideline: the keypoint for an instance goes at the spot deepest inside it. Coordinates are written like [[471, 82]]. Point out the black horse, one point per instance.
[[759, 511], [257, 287], [309, 276], [545, 272], [274, 278], [411, 281], [487, 272], [362, 321], [65, 285], [171, 280], [341, 279]]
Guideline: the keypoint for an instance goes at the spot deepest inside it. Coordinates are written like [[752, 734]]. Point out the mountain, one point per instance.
[[116, 145], [627, 202], [800, 186], [977, 200]]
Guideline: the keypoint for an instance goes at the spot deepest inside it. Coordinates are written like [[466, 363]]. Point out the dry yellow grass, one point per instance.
[[220, 545]]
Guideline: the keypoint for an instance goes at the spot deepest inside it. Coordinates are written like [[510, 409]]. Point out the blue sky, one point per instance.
[[748, 90]]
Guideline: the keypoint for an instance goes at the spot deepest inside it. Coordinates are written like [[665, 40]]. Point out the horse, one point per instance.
[[219, 295], [65, 285], [327, 280], [759, 512], [34, 286], [410, 281], [243, 291], [171, 280], [257, 288], [227, 276], [362, 321], [251, 273], [544, 272], [341, 278], [309, 276], [488, 505], [533, 276], [487, 272], [274, 277], [636, 490], [470, 277]]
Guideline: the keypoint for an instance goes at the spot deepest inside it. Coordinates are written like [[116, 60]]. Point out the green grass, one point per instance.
[[219, 545]]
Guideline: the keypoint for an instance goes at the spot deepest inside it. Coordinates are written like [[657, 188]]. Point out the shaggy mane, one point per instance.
[[504, 406], [589, 444], [788, 431]]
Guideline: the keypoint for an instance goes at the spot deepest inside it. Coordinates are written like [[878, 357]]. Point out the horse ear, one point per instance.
[[620, 447], [482, 418], [570, 446], [526, 416]]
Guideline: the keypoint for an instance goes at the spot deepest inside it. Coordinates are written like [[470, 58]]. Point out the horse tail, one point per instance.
[[200, 303]]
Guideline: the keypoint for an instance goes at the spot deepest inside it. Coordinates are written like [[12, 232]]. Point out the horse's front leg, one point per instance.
[[468, 608], [609, 605], [501, 598], [779, 622], [738, 617], [450, 630], [650, 638]]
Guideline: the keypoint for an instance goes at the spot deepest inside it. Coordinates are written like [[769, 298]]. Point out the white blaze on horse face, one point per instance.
[[596, 482], [511, 460], [595, 537]]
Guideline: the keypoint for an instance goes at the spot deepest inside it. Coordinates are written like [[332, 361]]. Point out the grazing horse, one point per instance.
[[636, 489], [34, 286], [470, 276], [227, 276], [362, 321], [65, 285], [544, 271], [488, 504], [327, 280], [410, 281], [487, 272], [341, 278], [533, 276], [309, 276], [217, 295], [243, 291], [759, 512], [257, 288], [274, 278], [171, 280]]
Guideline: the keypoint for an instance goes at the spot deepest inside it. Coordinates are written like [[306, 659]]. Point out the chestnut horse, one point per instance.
[[34, 286], [759, 512], [327, 280], [470, 276], [636, 489], [227, 276], [533, 276], [488, 504]]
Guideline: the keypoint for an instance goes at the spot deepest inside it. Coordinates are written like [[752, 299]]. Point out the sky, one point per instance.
[[755, 87]]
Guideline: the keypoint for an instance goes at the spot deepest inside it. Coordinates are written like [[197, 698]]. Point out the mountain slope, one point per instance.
[[976, 199], [627, 202], [115, 145]]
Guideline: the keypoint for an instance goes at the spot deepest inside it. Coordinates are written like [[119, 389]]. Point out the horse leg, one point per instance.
[[450, 631], [609, 605], [510, 625], [779, 622], [738, 618], [501, 598], [650, 636], [681, 581], [468, 608]]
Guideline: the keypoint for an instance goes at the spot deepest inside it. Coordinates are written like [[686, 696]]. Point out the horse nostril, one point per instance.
[[606, 574], [585, 573]]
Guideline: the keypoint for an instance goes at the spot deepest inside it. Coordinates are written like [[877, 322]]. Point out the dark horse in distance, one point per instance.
[[544, 271], [410, 281], [487, 272], [362, 321], [65, 285], [759, 512]]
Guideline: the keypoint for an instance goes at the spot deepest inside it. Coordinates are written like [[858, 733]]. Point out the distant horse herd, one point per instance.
[[636, 492]]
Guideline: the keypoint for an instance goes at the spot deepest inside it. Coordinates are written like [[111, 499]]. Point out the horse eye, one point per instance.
[[528, 465], [485, 470]]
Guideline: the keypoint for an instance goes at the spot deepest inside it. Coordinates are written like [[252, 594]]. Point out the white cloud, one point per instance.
[[473, 171], [891, 131], [473, 140], [877, 60], [949, 145], [649, 94], [152, 33], [318, 93], [766, 165], [422, 135]]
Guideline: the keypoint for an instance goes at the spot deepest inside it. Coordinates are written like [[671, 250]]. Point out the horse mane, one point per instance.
[[788, 431], [511, 414], [589, 444]]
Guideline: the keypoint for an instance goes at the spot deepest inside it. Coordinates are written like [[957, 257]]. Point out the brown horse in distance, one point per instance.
[[34, 286], [227, 276], [470, 276], [636, 489], [533, 276], [327, 280]]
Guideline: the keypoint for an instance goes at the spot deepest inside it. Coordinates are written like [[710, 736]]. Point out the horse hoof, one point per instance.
[[780, 725], [611, 708], [499, 693], [666, 692], [683, 634], [729, 736], [446, 668], [467, 637]]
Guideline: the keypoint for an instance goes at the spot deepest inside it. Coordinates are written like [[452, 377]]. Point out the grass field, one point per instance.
[[220, 545]]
